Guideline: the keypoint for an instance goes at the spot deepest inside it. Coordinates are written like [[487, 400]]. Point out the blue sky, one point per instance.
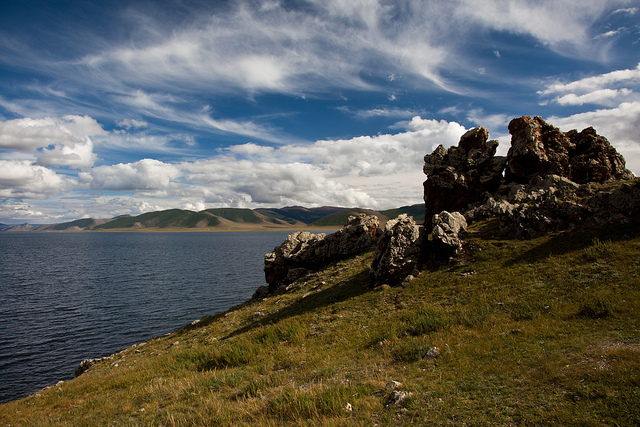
[[124, 107]]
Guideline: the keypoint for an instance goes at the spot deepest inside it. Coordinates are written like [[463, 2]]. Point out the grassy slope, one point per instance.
[[535, 332]]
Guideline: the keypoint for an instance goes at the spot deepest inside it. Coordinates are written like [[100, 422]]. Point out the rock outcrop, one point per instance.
[[303, 252], [446, 231], [539, 149], [550, 180], [543, 171], [461, 175], [398, 252]]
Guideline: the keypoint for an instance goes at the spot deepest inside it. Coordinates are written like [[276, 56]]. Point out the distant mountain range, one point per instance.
[[224, 219]]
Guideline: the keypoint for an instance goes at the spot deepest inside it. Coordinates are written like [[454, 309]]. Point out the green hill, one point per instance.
[[171, 217], [339, 219], [237, 215], [528, 332], [416, 211]]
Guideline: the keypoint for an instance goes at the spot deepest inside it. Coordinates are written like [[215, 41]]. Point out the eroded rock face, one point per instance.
[[545, 168], [461, 175], [304, 252], [539, 149], [446, 230], [398, 252], [280, 265]]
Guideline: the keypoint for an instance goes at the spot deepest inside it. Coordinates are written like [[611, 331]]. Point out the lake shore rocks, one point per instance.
[[303, 252]]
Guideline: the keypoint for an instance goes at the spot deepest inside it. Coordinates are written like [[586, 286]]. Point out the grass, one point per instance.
[[535, 332]]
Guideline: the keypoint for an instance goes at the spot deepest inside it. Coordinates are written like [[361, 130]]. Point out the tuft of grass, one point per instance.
[[598, 250], [597, 308]]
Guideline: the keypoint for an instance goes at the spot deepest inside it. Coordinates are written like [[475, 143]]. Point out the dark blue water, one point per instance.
[[65, 297]]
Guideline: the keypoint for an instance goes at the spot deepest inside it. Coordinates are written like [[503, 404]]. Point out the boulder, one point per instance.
[[398, 252], [303, 252], [446, 231], [280, 265], [461, 175]]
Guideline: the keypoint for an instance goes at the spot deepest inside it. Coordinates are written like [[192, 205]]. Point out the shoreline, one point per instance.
[[292, 229]]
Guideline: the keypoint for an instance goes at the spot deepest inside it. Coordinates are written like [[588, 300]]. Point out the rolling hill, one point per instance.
[[225, 219]]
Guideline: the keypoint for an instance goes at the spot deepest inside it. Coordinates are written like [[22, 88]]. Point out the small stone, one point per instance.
[[393, 385], [433, 353], [397, 396]]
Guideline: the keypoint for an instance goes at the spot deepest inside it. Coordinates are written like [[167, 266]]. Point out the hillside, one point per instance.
[[222, 219], [528, 332]]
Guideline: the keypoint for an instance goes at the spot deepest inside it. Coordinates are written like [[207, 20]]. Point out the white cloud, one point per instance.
[[601, 96], [382, 111], [381, 171], [595, 83], [77, 155], [23, 211], [250, 148], [23, 179], [55, 141], [146, 174], [132, 124], [553, 22], [619, 122]]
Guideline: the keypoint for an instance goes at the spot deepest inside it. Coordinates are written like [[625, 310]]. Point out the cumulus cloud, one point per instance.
[[380, 171], [601, 97], [23, 179], [56, 141], [146, 174], [250, 148]]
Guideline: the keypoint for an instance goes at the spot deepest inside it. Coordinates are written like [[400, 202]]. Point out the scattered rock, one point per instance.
[[446, 229], [397, 396], [86, 364]]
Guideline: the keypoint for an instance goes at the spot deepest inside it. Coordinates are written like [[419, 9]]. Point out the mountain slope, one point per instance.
[[224, 218]]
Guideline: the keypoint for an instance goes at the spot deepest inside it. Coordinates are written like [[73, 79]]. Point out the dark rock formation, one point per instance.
[[540, 149], [398, 252], [461, 175], [303, 252], [545, 167]]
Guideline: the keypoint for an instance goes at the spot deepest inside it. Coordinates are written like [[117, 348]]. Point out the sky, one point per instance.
[[124, 107]]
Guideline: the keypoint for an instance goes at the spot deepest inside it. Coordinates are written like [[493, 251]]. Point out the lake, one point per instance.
[[65, 297]]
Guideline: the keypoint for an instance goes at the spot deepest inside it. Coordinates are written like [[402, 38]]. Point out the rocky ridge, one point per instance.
[[550, 180]]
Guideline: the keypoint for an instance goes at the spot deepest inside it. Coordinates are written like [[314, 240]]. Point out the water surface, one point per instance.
[[65, 297]]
